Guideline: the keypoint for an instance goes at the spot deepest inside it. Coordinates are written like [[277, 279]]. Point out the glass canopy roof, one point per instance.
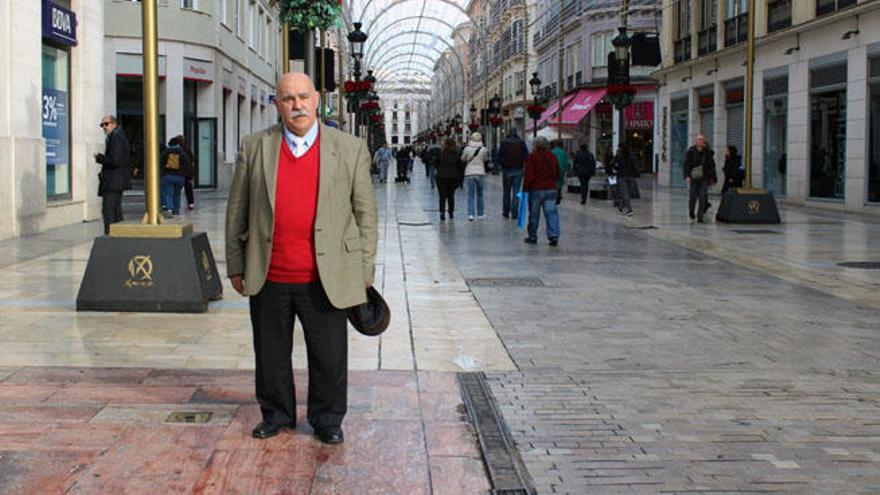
[[406, 37]]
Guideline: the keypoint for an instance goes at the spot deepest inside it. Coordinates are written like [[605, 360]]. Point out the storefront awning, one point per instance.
[[580, 105], [549, 113]]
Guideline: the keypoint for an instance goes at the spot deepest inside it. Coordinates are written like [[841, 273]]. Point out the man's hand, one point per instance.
[[367, 285], [687, 179], [237, 283]]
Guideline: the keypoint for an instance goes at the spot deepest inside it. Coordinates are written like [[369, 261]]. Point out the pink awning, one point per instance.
[[583, 102], [549, 112]]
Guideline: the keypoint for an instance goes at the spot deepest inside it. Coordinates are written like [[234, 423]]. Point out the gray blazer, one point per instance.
[[346, 222]]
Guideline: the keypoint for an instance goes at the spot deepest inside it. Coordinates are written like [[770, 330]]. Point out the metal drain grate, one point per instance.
[[506, 470], [506, 282], [756, 231], [189, 417], [413, 224], [861, 265]]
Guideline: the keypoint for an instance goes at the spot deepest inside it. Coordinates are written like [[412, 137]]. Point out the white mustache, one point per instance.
[[298, 113]]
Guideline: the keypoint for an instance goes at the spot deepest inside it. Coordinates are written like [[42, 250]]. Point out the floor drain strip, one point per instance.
[[506, 470]]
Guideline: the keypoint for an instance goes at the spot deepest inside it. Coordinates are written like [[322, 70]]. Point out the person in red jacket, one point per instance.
[[541, 174]]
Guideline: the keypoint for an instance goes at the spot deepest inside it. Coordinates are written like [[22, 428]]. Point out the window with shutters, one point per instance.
[[681, 30]]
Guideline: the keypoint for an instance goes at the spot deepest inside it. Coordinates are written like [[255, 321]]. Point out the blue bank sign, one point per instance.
[[59, 24]]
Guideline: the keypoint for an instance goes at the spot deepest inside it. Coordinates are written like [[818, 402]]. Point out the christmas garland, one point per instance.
[[304, 15]]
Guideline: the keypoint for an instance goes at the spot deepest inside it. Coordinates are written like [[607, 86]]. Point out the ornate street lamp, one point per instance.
[[357, 38], [621, 93], [536, 109], [473, 125]]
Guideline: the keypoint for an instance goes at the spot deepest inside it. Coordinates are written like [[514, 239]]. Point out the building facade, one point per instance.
[[581, 32], [50, 106], [816, 100], [401, 119], [218, 63]]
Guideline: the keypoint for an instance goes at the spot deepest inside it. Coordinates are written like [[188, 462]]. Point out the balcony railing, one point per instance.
[[828, 6], [683, 49], [707, 40], [736, 29], [778, 15]]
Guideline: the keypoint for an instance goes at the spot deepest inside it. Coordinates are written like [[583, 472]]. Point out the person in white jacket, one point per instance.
[[475, 156]]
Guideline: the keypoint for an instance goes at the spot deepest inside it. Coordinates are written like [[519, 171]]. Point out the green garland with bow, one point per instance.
[[304, 15]]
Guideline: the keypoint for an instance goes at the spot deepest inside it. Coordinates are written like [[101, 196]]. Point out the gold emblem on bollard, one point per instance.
[[206, 265], [753, 207], [140, 272]]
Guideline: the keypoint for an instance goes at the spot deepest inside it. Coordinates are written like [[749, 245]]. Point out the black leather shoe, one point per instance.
[[268, 430], [530, 240], [554, 241], [330, 435]]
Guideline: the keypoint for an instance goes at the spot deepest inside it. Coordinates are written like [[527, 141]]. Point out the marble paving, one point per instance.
[[85, 397]]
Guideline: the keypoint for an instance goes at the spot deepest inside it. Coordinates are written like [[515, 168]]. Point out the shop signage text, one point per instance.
[[59, 24]]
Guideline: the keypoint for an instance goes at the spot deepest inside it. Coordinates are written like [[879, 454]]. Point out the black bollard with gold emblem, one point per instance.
[[175, 274], [149, 266], [748, 206]]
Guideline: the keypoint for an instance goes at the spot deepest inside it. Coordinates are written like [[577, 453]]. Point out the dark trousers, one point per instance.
[[512, 180], [111, 209], [272, 315], [446, 188], [699, 191], [190, 193], [626, 185], [585, 187]]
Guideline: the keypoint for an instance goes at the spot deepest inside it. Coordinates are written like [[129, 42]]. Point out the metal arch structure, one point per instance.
[[391, 52], [373, 37], [418, 32], [407, 65], [397, 3], [389, 55]]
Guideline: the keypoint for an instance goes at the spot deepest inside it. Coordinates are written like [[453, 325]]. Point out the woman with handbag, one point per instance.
[[475, 156]]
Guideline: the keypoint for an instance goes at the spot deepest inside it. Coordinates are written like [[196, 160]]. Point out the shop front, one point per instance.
[[639, 117], [59, 35]]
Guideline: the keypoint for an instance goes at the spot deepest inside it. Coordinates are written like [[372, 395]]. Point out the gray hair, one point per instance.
[[542, 143]]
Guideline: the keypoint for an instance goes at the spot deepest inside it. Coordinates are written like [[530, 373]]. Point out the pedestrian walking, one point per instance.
[[301, 251], [699, 172], [476, 159], [448, 177], [512, 155], [404, 157], [585, 166], [115, 174], [176, 167], [432, 152], [733, 169], [190, 174], [625, 168], [540, 181], [382, 160], [562, 159]]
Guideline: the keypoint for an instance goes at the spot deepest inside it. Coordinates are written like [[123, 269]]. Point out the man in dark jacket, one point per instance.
[[626, 177], [512, 155], [585, 165], [115, 175], [432, 153], [699, 172]]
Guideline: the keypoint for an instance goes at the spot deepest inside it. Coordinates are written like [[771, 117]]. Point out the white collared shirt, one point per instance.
[[300, 145]]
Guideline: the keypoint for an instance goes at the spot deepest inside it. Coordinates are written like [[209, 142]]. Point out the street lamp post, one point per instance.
[[372, 80], [621, 44], [357, 38], [535, 84], [494, 113]]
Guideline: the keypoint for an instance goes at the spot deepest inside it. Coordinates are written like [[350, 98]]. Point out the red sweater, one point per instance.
[[296, 203], [542, 171]]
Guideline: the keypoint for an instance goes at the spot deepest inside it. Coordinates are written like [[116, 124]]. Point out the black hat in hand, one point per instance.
[[372, 317]]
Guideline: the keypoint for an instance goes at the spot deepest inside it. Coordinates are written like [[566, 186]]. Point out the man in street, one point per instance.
[[301, 238], [512, 155], [699, 172], [627, 176], [585, 165], [540, 181], [382, 159], [115, 175]]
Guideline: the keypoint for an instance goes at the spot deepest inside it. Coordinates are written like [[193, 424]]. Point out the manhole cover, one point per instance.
[[756, 231], [861, 265], [506, 282], [189, 417]]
